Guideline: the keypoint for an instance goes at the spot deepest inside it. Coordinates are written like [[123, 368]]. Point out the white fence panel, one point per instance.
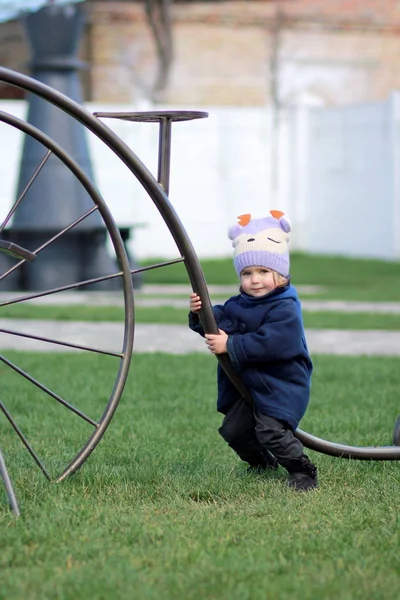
[[220, 168], [348, 179], [335, 171]]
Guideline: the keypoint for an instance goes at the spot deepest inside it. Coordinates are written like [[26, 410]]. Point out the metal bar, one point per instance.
[[25, 441], [67, 344], [68, 228], [73, 286], [48, 391], [63, 288], [164, 153], [158, 265], [8, 486], [24, 192]]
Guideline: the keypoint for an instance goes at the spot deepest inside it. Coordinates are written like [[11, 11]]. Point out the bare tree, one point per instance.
[[159, 16], [275, 68]]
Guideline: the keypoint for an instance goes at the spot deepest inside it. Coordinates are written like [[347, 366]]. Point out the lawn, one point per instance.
[[169, 314], [337, 278], [343, 278], [164, 509]]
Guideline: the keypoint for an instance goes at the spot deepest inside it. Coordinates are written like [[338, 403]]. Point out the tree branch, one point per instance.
[[159, 16]]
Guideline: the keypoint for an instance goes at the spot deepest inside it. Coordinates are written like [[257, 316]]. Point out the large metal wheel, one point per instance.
[[120, 357], [157, 190]]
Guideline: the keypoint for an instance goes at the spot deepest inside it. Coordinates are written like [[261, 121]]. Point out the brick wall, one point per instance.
[[120, 52], [14, 54], [240, 53], [250, 53]]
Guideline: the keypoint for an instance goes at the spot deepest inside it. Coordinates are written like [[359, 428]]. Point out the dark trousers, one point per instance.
[[250, 434]]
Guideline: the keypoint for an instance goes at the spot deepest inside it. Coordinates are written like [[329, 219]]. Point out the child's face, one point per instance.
[[257, 281]]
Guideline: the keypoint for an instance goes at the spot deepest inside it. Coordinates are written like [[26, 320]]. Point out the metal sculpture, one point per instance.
[[158, 190]]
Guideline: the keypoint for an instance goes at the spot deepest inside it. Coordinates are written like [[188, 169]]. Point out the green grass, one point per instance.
[[168, 314], [79, 312], [343, 278], [351, 321], [164, 509]]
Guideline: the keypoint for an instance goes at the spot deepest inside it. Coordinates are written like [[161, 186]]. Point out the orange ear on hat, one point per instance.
[[277, 214], [244, 220]]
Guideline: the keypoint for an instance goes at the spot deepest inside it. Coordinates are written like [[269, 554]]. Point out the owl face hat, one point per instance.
[[261, 242]]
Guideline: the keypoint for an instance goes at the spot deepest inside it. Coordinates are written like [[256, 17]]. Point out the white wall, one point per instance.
[[219, 169], [344, 184], [336, 174]]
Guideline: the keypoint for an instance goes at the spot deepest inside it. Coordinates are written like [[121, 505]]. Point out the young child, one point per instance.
[[262, 331]]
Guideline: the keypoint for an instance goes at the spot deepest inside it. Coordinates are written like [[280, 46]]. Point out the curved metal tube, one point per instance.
[[184, 244], [346, 451], [123, 370]]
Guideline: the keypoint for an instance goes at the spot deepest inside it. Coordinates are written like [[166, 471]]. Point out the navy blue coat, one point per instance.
[[267, 347]]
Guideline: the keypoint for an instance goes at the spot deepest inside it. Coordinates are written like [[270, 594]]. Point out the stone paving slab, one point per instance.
[[116, 299], [178, 339]]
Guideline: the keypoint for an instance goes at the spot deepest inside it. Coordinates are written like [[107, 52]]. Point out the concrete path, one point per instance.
[[164, 296], [177, 339]]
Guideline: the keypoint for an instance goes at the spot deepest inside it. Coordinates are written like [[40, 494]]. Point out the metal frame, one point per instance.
[[158, 192]]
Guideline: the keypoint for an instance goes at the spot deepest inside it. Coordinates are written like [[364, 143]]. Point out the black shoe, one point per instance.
[[302, 482], [303, 474]]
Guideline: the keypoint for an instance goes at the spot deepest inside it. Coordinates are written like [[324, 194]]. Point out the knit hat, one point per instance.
[[261, 242]]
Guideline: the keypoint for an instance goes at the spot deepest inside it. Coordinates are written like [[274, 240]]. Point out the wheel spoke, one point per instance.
[[67, 344], [63, 288], [24, 192], [158, 265], [48, 391], [68, 228], [79, 284], [25, 441]]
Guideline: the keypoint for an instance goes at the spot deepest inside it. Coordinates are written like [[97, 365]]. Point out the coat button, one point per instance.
[[242, 327]]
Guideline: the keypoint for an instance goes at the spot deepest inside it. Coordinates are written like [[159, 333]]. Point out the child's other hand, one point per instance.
[[217, 342], [195, 303]]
